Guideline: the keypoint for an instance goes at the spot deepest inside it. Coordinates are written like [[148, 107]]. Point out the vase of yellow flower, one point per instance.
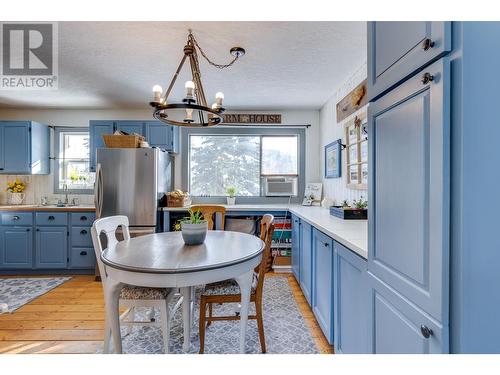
[[16, 189]]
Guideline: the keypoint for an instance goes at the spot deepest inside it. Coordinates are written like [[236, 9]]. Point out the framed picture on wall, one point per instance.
[[333, 159]]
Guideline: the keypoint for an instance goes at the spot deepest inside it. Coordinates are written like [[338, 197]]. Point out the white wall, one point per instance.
[[43, 185], [330, 130]]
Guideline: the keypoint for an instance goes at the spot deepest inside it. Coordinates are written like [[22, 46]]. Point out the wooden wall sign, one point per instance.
[[353, 101], [237, 118]]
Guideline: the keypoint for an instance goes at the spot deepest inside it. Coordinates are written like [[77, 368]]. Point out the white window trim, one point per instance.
[[57, 131]]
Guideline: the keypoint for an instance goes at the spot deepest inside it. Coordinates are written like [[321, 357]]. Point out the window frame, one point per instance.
[[248, 130], [57, 135], [359, 162]]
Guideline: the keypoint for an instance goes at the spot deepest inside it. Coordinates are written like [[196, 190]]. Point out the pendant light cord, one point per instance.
[[220, 66]]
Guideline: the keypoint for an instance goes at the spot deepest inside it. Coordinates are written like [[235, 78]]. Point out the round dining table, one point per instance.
[[162, 260]]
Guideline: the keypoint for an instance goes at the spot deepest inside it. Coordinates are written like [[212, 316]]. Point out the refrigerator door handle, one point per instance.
[[98, 191]]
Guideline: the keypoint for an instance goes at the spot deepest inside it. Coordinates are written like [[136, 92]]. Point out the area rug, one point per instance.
[[16, 292], [285, 329]]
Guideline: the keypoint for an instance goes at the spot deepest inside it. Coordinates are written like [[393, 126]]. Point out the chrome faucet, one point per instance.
[[65, 189]]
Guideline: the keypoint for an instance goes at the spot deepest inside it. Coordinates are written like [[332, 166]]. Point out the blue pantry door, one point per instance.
[[398, 49], [409, 190]]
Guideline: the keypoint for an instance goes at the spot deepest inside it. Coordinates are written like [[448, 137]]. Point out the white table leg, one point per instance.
[[245, 283], [111, 297], [186, 316]]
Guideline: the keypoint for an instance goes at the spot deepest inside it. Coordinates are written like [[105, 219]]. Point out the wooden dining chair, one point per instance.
[[132, 296], [228, 291], [209, 212]]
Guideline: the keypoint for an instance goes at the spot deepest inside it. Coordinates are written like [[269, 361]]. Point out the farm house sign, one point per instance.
[[252, 118]]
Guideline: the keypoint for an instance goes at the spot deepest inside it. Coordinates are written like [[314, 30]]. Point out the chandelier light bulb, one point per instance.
[[189, 89], [157, 91], [218, 99], [189, 115]]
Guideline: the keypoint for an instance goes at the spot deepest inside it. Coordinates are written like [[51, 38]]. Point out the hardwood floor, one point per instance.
[[70, 319]]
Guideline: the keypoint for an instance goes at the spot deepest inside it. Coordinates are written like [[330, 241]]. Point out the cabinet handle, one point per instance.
[[427, 44], [83, 253], [426, 78], [15, 218], [27, 229], [1, 169], [38, 230], [83, 218], [83, 231], [426, 331], [51, 217], [326, 244]]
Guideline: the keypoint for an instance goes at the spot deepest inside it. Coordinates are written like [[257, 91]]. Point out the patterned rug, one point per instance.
[[285, 329], [15, 293]]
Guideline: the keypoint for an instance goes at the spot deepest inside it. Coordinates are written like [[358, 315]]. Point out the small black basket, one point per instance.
[[350, 213]]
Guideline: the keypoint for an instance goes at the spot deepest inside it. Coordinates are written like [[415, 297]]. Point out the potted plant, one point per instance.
[[194, 228], [346, 212], [16, 189], [231, 195]]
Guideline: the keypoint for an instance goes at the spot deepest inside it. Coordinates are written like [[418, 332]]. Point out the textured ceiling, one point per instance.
[[115, 64]]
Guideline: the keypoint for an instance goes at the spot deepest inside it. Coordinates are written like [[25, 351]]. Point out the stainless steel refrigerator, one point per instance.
[[130, 181]]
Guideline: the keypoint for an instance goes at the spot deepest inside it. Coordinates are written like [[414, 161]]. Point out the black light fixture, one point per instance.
[[194, 100]]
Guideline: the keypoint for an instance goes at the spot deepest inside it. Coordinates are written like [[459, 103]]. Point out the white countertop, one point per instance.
[[353, 234]]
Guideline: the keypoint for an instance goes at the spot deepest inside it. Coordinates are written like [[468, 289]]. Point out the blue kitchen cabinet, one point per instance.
[[16, 247], [163, 136], [96, 130], [296, 247], [409, 233], [130, 127], [51, 247], [82, 254], [396, 50], [306, 260], [351, 302], [397, 326], [24, 147], [323, 282]]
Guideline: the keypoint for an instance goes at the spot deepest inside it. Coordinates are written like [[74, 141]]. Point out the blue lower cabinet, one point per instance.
[[323, 283], [16, 247], [306, 260], [397, 326], [82, 258], [296, 247], [80, 237], [51, 247], [351, 302]]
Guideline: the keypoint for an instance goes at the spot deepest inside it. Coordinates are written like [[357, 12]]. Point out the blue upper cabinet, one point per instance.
[[155, 132], [351, 302], [396, 50], [409, 147], [296, 247], [24, 147], [323, 283], [96, 130], [131, 127]]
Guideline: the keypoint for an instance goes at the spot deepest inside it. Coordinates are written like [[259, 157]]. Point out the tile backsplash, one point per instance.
[[38, 186]]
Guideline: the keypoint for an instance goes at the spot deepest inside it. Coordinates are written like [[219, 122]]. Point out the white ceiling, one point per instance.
[[115, 64]]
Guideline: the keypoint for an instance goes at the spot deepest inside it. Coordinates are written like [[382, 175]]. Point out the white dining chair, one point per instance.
[[132, 296]]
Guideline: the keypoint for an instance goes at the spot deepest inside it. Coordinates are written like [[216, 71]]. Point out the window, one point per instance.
[[72, 161], [230, 157], [357, 153]]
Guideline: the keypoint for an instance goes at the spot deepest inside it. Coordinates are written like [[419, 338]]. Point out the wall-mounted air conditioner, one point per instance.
[[280, 186]]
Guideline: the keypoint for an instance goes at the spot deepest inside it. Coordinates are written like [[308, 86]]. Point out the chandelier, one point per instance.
[[194, 107]]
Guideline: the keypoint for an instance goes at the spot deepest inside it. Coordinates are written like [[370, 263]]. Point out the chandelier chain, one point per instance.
[[220, 66]]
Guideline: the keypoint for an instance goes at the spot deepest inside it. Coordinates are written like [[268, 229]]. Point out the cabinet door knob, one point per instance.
[[427, 44], [27, 229], [51, 217], [1, 169], [426, 331], [38, 230], [83, 231], [83, 218], [326, 244], [83, 253], [426, 78]]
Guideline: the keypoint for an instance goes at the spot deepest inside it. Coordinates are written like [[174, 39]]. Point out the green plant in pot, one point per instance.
[[194, 228], [231, 195]]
